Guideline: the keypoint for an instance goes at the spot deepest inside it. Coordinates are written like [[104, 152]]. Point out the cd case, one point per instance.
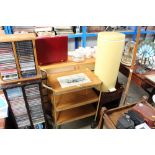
[[8, 68], [26, 58]]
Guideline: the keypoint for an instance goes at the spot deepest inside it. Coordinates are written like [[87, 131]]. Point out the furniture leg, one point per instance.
[[101, 121], [94, 123]]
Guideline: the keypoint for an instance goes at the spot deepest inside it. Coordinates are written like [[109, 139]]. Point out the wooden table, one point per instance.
[[74, 102], [140, 79]]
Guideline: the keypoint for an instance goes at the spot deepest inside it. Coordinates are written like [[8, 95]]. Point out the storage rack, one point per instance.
[[28, 105], [84, 35], [74, 102], [19, 44]]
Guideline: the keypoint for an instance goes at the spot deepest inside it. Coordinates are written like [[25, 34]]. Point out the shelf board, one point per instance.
[[76, 99], [7, 82], [68, 63], [75, 114], [17, 37], [54, 83]]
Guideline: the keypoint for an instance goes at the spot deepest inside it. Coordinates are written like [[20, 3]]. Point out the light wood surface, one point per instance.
[[17, 37], [35, 56], [125, 93], [20, 37], [62, 66], [109, 124], [54, 83], [74, 102], [3, 83], [75, 99], [75, 114], [16, 60]]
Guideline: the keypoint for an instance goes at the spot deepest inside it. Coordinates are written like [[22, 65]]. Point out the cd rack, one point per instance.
[[18, 58], [25, 103]]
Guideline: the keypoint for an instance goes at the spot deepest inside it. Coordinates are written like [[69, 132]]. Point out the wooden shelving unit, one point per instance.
[[25, 102], [75, 114], [74, 102], [15, 39], [22, 91], [76, 99], [57, 89]]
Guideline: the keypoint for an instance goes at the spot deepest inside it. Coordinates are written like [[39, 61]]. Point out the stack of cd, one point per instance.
[[8, 68], [34, 102], [26, 58], [18, 107]]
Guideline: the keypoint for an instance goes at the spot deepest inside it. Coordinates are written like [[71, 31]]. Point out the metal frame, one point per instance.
[[8, 29], [84, 34]]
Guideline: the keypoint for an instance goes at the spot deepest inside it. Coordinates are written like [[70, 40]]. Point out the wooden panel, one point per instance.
[[59, 70], [111, 116], [16, 60], [89, 66], [54, 83], [75, 114], [69, 63], [76, 99], [108, 122], [17, 37], [109, 112], [35, 56], [18, 81]]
